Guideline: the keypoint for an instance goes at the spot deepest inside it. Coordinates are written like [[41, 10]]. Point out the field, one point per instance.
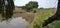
[[39, 17], [43, 15]]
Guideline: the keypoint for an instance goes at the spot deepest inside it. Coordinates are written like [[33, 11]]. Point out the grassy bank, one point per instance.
[[43, 15]]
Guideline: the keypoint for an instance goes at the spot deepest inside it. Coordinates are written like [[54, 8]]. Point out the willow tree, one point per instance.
[[55, 17]]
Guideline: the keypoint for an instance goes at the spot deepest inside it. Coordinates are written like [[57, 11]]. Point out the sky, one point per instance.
[[41, 3]]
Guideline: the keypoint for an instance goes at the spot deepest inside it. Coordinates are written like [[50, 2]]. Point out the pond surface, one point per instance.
[[18, 22]]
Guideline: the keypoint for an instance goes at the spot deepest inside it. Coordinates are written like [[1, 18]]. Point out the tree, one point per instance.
[[55, 17], [1, 5], [31, 5], [2, 8], [9, 9]]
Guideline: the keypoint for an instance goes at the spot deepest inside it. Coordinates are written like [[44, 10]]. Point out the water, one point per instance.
[[14, 23]]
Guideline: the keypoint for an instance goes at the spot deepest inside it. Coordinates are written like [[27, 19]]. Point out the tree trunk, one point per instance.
[[55, 17]]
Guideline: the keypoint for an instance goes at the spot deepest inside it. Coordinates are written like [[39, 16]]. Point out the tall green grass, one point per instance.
[[43, 15]]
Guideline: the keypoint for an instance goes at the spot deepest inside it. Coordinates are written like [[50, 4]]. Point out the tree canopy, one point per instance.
[[31, 5]]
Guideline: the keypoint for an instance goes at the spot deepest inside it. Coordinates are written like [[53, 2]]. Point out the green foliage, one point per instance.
[[2, 8], [43, 15], [34, 11], [1, 5], [9, 9], [36, 26], [31, 5], [6, 10]]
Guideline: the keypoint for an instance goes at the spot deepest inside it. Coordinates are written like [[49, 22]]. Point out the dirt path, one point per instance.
[[28, 16], [32, 24]]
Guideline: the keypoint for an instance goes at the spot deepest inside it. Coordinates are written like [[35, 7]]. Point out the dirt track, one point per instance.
[[28, 16]]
